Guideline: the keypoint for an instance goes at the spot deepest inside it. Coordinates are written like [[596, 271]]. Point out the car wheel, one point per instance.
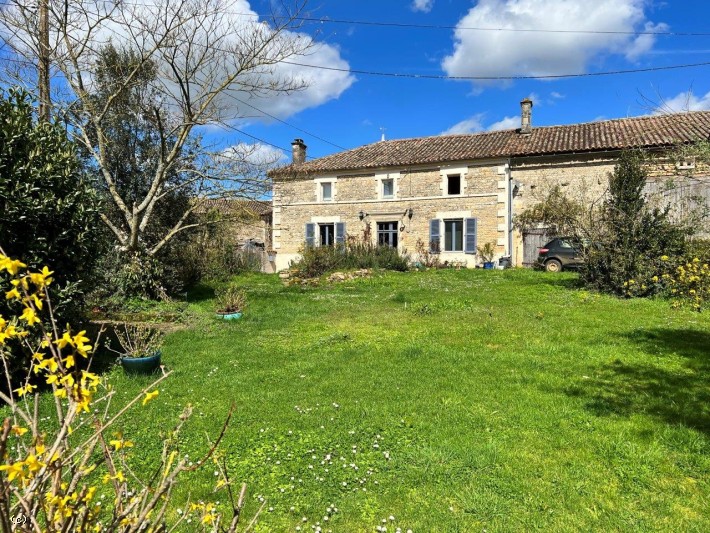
[[553, 265]]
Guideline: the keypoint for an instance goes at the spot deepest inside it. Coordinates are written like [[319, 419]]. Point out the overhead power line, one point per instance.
[[498, 78], [482, 28], [288, 124], [387, 24]]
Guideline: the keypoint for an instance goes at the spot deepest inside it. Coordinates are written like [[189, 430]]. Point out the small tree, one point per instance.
[[631, 236]]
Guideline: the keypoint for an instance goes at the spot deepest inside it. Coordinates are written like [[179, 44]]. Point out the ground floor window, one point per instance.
[[388, 234], [453, 235], [327, 234]]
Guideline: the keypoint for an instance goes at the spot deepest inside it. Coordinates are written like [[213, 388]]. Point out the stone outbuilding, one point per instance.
[[455, 193]]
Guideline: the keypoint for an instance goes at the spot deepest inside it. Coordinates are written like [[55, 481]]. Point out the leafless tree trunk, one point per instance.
[[210, 56]]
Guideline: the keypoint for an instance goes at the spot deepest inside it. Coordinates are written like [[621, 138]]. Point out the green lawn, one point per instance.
[[450, 401]]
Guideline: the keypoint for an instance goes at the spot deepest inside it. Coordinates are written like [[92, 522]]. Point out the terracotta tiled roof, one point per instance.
[[646, 132], [235, 206]]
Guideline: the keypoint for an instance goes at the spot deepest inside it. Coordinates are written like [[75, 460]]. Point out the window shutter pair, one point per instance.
[[311, 233], [470, 242]]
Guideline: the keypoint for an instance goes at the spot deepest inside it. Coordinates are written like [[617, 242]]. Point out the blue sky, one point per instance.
[[349, 109]]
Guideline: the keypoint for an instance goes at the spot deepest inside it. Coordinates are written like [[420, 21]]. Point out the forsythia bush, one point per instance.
[[687, 282], [70, 473], [690, 284]]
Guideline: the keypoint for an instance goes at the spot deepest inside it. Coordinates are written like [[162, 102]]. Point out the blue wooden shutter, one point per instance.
[[471, 237], [310, 234], [340, 233], [435, 236]]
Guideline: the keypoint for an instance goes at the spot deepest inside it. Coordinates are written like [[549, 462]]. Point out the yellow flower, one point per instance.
[[66, 339], [33, 464], [150, 396], [664, 258], [29, 316], [118, 444], [14, 470], [69, 361], [13, 294], [18, 430], [49, 364], [27, 389], [41, 279], [11, 265]]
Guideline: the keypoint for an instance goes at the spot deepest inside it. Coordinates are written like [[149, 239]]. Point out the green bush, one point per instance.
[[318, 260], [49, 211], [631, 237]]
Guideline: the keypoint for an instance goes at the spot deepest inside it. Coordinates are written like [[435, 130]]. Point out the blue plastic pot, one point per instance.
[[141, 365], [488, 265], [229, 316]]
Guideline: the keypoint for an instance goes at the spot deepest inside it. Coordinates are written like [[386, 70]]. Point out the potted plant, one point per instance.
[[271, 255], [487, 251], [231, 303], [140, 348]]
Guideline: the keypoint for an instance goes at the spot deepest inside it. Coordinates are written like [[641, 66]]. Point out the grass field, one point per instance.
[[445, 401]]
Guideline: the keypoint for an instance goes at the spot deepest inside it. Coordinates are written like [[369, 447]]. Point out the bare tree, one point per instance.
[[210, 57]]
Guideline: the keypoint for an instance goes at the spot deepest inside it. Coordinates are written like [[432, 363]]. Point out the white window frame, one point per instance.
[[453, 171], [463, 234], [379, 179], [319, 189]]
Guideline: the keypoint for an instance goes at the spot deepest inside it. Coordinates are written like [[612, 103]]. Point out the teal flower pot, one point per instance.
[[141, 365], [229, 316]]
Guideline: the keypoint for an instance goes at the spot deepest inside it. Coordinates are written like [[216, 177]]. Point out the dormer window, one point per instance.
[[453, 184]]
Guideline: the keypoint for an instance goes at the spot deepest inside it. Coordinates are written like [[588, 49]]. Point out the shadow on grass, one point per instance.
[[676, 392], [200, 292]]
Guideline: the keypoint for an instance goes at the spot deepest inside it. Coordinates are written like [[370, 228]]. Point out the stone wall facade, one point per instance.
[[492, 191], [358, 203]]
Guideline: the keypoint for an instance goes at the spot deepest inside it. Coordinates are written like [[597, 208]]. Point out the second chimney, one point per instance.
[[299, 151], [526, 116]]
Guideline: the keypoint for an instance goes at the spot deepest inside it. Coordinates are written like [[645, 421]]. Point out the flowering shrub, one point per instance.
[[687, 282], [68, 471], [690, 284]]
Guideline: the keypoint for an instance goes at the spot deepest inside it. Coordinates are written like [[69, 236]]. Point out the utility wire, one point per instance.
[[289, 125], [328, 20], [481, 28], [499, 78]]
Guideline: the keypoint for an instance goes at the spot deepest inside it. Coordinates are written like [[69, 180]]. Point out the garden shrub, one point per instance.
[[49, 211], [690, 284], [631, 236], [318, 260], [64, 464]]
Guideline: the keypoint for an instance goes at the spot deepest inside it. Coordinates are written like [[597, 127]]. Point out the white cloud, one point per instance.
[[556, 95], [256, 154], [470, 125], [507, 53], [507, 123], [475, 124], [684, 102], [422, 5], [230, 26]]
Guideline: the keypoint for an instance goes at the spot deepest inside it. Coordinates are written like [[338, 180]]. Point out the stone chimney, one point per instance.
[[299, 151], [526, 116]]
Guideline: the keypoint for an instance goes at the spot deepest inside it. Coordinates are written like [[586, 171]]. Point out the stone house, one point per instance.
[[454, 193]]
